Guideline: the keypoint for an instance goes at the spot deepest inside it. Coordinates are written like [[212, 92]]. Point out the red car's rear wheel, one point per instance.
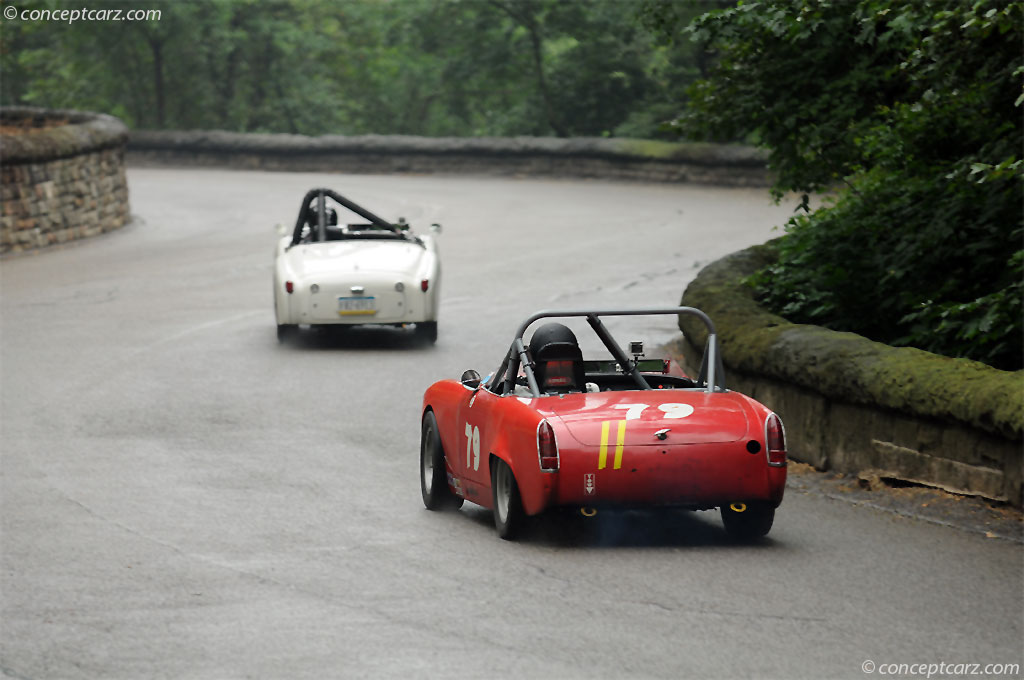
[[433, 476], [508, 508], [747, 522]]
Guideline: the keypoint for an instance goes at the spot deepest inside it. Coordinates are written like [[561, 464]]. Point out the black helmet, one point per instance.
[[330, 216], [558, 362]]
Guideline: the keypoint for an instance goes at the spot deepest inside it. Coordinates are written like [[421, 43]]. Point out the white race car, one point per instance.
[[372, 272]]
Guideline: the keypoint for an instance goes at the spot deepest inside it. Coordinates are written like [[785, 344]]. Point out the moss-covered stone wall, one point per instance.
[[620, 159], [855, 405], [61, 176]]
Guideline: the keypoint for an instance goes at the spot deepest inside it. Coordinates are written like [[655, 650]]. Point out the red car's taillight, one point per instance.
[[547, 448], [775, 440]]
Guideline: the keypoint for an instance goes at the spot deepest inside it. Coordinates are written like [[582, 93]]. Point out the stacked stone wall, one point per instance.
[[598, 158], [857, 406], [62, 177]]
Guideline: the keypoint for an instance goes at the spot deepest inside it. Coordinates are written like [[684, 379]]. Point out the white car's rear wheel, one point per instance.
[[427, 330], [285, 330]]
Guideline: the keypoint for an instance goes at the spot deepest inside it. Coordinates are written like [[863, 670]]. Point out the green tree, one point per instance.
[[427, 67], [914, 107]]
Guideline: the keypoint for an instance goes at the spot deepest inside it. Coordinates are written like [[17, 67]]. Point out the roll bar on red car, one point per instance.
[[712, 373], [321, 211]]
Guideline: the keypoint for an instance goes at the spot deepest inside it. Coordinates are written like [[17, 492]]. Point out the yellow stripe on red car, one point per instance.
[[620, 440]]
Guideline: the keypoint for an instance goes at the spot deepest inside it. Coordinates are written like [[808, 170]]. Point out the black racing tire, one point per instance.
[[427, 331], [508, 506], [753, 523], [433, 475], [285, 331]]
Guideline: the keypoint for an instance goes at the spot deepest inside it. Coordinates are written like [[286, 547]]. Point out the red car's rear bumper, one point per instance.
[[699, 476]]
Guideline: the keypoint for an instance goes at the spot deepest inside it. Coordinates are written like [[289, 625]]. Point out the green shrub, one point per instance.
[[919, 263], [914, 109]]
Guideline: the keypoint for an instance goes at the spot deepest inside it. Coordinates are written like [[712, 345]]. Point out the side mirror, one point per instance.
[[281, 229], [471, 379], [402, 224], [436, 228]]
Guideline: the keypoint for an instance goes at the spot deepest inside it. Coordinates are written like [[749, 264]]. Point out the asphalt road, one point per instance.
[[183, 497]]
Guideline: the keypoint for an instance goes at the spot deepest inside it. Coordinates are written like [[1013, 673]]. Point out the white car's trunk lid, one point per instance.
[[342, 257]]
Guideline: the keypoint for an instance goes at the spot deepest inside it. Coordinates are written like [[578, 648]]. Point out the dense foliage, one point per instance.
[[425, 67], [913, 109]]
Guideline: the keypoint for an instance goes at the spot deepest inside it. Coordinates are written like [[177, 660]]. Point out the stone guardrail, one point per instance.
[[612, 158], [62, 176], [857, 406]]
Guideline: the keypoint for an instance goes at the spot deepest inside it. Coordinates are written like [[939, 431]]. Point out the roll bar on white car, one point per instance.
[[320, 195], [712, 373]]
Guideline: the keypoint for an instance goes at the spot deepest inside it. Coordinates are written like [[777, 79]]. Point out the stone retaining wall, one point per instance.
[[858, 406], [61, 176], [619, 159]]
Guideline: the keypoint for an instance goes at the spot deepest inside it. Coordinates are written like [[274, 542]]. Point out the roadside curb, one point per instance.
[[919, 503]]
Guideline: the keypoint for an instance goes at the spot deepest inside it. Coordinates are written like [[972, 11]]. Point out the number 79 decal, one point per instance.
[[472, 447], [633, 411]]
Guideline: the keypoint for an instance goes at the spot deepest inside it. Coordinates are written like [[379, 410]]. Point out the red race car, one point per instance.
[[551, 429]]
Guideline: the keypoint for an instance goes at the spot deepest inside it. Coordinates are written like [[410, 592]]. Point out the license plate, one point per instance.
[[348, 306]]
